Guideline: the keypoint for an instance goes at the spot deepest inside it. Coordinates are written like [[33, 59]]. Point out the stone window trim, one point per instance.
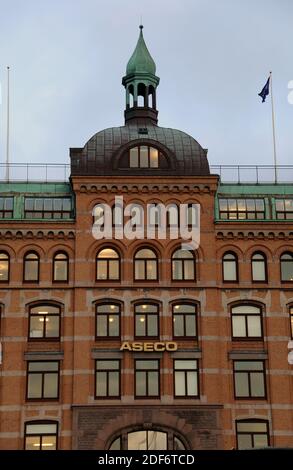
[[43, 355], [248, 355], [106, 354], [187, 354]]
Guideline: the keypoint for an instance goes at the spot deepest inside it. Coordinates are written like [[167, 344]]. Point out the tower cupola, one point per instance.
[[140, 83]]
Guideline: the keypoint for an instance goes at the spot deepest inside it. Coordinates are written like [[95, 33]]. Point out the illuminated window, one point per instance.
[[60, 267], [44, 322], [246, 322], [183, 266], [107, 378], [4, 267], [146, 320], [108, 320], [145, 265], [147, 440], [42, 380], [143, 157], [31, 267], [252, 433], [242, 209], [41, 435], [259, 267], [230, 267], [184, 321], [287, 267], [249, 379], [186, 383], [147, 379], [108, 265]]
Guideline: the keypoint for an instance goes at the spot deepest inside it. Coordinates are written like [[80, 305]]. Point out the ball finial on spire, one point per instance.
[[141, 27]]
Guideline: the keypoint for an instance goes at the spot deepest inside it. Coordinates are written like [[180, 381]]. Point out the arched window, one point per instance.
[[44, 322], [108, 265], [131, 98], [60, 267], [246, 322], [41, 435], [145, 156], [146, 320], [145, 265], [230, 267], [141, 95], [252, 433], [108, 320], [147, 440], [4, 266], [183, 266], [259, 267], [31, 267], [184, 320], [287, 267]]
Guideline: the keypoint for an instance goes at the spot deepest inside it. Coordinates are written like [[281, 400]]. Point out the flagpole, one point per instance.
[[7, 127], [273, 126]]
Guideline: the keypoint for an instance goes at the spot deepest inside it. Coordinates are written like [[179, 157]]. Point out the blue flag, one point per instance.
[[265, 91]]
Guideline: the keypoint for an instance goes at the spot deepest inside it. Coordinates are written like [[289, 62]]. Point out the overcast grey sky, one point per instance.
[[67, 58]]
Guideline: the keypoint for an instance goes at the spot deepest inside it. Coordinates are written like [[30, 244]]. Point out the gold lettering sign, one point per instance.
[[158, 346]]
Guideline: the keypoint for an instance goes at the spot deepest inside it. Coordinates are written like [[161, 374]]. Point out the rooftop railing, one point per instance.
[[254, 174], [34, 172], [233, 174]]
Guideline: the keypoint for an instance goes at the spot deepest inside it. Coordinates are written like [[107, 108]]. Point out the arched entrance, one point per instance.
[[147, 439]]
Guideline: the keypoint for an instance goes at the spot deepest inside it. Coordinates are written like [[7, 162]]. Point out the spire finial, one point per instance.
[[141, 27]]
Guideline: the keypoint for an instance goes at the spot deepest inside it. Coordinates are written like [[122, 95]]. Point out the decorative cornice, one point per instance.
[[145, 188], [6, 234], [254, 235]]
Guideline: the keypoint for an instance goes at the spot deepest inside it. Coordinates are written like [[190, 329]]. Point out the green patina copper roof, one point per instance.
[[141, 60]]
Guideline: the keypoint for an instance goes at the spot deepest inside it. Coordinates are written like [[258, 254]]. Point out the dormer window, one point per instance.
[[143, 157]]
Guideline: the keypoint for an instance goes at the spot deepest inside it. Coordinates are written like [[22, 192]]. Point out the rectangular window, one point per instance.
[[47, 208], [144, 157], [186, 383], [44, 323], [251, 434], [107, 321], [40, 436], [147, 378], [107, 378], [246, 322], [241, 209], [146, 321], [249, 379], [42, 380], [184, 321], [154, 158], [133, 157], [291, 321], [6, 207], [284, 209]]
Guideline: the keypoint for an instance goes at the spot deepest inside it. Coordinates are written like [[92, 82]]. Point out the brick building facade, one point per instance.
[[213, 323]]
